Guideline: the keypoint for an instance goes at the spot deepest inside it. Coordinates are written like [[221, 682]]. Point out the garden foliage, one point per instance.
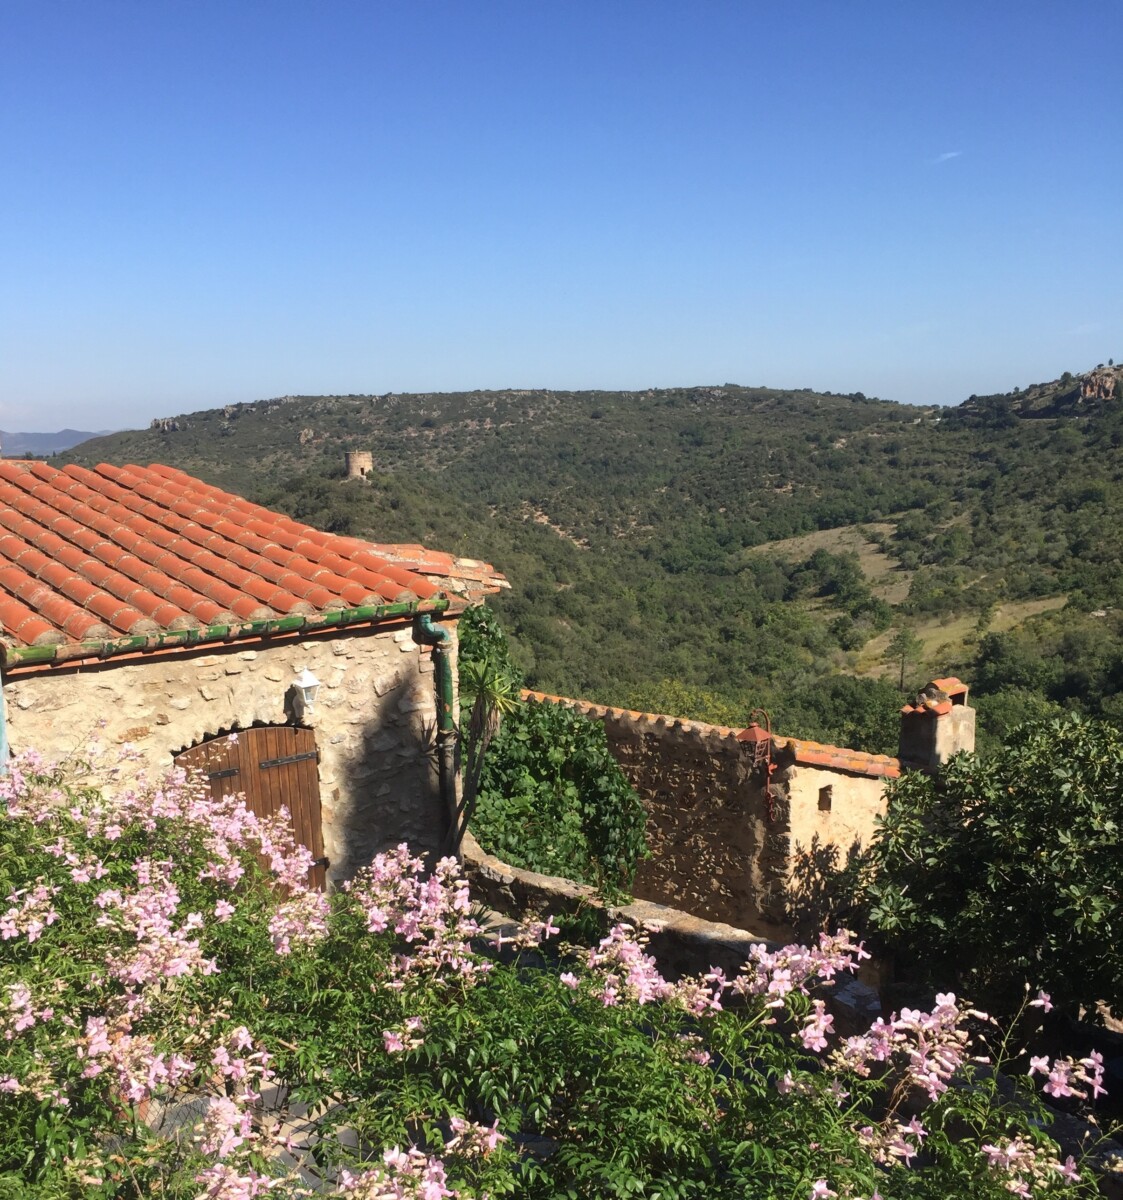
[[1005, 870], [549, 796], [182, 1017]]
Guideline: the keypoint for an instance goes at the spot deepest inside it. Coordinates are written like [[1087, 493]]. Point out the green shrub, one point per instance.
[[1004, 871], [553, 799], [172, 1026], [544, 792]]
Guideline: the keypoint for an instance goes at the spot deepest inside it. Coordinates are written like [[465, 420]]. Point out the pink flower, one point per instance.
[[1068, 1170], [223, 911], [392, 1042], [1044, 1002], [820, 1189], [569, 979], [818, 1024]]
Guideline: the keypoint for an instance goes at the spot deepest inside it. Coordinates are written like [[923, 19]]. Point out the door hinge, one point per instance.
[[290, 758]]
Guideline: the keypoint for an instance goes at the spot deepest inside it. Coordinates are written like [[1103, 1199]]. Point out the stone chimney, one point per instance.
[[359, 463], [937, 725]]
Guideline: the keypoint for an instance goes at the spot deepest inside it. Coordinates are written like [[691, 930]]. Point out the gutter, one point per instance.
[[177, 639], [427, 633]]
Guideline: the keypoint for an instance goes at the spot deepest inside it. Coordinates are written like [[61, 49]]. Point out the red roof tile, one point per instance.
[[838, 758], [119, 551]]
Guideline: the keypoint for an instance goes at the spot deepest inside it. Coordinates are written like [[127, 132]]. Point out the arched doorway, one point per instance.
[[274, 766]]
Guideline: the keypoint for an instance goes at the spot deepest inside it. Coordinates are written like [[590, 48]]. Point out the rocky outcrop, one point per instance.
[[1099, 384]]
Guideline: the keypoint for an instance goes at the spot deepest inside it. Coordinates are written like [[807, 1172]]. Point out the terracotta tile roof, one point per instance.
[[467, 574], [124, 551], [837, 758]]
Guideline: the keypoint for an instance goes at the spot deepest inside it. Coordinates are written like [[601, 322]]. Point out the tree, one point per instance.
[[905, 649], [1003, 872]]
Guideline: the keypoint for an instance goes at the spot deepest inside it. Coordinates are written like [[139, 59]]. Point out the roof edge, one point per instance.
[[838, 758], [590, 709], [15, 657]]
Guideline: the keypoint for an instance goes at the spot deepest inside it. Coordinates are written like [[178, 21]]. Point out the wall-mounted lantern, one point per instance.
[[304, 692]]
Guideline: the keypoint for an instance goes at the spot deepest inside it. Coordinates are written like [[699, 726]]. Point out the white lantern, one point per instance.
[[306, 685]]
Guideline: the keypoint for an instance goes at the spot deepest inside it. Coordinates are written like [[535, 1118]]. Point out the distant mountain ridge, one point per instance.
[[15, 444]]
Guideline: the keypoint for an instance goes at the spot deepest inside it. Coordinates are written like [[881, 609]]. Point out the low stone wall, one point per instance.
[[374, 720], [723, 837], [682, 944], [719, 848]]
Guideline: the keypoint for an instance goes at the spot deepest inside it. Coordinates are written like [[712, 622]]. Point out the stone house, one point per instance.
[[730, 811], [140, 605]]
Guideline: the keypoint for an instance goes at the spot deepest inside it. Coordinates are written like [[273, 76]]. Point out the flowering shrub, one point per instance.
[[181, 1016]]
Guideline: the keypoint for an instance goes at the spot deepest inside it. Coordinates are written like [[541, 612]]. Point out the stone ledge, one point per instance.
[[681, 944]]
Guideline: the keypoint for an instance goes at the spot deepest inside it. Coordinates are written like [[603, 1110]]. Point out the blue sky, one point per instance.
[[208, 202]]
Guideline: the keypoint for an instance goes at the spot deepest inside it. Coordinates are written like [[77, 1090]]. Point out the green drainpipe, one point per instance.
[[427, 633], [3, 733]]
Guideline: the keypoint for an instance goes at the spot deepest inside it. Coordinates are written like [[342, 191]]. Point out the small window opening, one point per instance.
[[826, 795]]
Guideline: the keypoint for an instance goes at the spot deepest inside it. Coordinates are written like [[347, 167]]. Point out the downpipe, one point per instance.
[[3, 732], [426, 632]]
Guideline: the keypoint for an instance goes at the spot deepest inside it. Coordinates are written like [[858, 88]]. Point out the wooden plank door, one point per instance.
[[273, 766]]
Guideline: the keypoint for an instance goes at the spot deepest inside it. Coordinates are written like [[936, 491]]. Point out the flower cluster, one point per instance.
[[404, 1175], [1024, 1167], [932, 1045], [429, 913], [1072, 1077], [31, 912], [774, 974]]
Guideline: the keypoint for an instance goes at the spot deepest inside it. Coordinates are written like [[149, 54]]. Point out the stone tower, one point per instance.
[[360, 463]]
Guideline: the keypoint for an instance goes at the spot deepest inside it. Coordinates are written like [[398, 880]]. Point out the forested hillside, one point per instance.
[[638, 531]]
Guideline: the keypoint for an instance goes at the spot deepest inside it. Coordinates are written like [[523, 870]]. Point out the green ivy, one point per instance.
[[553, 799]]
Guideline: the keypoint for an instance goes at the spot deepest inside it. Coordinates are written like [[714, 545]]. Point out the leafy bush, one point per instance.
[[547, 794], [179, 1022], [1004, 870], [553, 799]]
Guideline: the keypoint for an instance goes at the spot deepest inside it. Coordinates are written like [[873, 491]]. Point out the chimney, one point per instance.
[[936, 726]]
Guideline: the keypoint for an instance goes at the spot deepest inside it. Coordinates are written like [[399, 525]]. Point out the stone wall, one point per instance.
[[374, 718], [723, 839], [718, 850], [831, 806]]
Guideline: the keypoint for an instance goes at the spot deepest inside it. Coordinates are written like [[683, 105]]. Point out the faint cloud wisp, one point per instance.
[[947, 156]]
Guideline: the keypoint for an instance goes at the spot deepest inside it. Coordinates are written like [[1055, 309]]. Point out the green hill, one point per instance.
[[704, 550]]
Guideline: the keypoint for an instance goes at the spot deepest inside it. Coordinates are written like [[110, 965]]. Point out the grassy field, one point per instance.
[[945, 639], [884, 573]]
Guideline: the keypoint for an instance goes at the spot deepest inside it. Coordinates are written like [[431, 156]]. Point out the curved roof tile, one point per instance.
[[127, 550]]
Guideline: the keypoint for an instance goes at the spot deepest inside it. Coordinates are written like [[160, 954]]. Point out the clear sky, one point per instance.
[[219, 200]]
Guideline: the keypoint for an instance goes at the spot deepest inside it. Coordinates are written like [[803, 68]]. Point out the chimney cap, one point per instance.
[[938, 697]]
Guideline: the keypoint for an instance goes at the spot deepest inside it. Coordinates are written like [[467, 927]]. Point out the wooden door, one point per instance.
[[273, 766]]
